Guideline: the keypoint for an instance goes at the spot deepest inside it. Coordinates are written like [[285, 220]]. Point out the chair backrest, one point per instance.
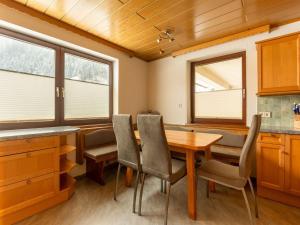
[[249, 148], [128, 149], [99, 137], [155, 151]]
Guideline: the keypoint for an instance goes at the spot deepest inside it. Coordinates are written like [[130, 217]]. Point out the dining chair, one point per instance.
[[156, 156], [235, 176], [128, 150]]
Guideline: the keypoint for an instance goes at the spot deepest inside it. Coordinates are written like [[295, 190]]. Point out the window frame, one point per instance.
[[85, 121], [198, 120], [59, 83]]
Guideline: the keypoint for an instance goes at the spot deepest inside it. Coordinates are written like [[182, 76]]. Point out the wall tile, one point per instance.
[[280, 108]]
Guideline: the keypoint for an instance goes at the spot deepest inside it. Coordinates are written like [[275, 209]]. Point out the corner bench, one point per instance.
[[99, 149]]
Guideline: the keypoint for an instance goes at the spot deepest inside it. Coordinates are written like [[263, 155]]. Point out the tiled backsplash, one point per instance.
[[280, 108]]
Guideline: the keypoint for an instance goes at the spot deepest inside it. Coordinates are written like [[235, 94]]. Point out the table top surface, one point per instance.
[[189, 140]]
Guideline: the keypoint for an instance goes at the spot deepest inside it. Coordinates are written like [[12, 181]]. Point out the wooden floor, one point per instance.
[[93, 204]]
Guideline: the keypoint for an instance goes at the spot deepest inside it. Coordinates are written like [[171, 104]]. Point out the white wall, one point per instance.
[[169, 78], [130, 78]]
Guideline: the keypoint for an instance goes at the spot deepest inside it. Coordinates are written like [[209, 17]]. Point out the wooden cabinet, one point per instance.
[[34, 175], [26, 192], [23, 166], [278, 65], [278, 167], [292, 164], [270, 166]]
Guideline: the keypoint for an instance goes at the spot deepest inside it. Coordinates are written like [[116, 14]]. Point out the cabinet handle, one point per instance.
[[29, 181], [57, 92], [29, 154]]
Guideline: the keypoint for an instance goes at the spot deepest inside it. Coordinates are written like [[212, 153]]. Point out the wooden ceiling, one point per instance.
[[136, 24]]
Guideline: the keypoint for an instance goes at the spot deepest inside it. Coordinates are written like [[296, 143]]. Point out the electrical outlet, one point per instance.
[[266, 114]]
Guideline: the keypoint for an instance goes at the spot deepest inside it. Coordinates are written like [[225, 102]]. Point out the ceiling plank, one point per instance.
[[232, 37], [32, 12], [80, 10], [59, 8], [40, 5]]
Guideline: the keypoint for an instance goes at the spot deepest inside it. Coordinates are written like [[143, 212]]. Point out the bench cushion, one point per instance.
[[98, 152], [229, 139]]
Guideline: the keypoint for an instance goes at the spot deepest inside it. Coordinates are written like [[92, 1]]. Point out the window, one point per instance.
[[218, 90], [86, 88], [42, 84]]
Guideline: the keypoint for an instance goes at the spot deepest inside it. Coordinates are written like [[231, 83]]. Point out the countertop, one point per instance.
[[279, 130], [36, 132]]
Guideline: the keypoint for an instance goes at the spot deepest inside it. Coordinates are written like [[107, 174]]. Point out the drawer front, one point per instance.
[[18, 167], [26, 145], [24, 193], [271, 138]]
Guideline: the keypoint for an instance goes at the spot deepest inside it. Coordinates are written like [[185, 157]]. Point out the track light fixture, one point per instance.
[[165, 35]]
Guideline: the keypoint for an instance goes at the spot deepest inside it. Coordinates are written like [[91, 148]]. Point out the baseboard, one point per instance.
[[279, 196]]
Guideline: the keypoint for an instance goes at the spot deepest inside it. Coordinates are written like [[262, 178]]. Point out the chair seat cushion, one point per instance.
[[226, 150], [178, 170], [222, 173], [100, 151]]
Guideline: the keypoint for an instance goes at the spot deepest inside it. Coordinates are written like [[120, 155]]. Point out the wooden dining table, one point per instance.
[[189, 143]]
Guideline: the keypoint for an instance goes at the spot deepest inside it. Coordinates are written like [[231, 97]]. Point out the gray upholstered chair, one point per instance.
[[156, 155], [236, 176], [128, 149]]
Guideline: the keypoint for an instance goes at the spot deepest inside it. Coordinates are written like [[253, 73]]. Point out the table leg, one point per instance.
[[129, 177], [191, 185], [212, 185]]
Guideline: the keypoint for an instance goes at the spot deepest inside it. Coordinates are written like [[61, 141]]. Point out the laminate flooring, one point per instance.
[[93, 204]]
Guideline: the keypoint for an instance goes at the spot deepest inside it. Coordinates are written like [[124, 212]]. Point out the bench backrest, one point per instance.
[[99, 137], [229, 139]]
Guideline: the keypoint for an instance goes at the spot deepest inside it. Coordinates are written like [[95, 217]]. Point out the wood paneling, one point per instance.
[[135, 24]]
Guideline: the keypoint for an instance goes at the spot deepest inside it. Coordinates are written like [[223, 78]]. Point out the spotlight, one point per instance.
[[161, 51], [158, 40]]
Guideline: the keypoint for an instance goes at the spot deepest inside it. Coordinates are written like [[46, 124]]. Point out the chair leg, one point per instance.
[[135, 190], [247, 205], [207, 189], [254, 196], [117, 182], [168, 184], [141, 194], [161, 185]]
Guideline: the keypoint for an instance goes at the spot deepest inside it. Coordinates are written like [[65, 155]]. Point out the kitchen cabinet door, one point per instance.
[[278, 66], [292, 164], [270, 166]]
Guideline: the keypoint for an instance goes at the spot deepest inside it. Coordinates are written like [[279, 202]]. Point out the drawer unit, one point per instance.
[[18, 195], [18, 167], [25, 145], [271, 138]]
